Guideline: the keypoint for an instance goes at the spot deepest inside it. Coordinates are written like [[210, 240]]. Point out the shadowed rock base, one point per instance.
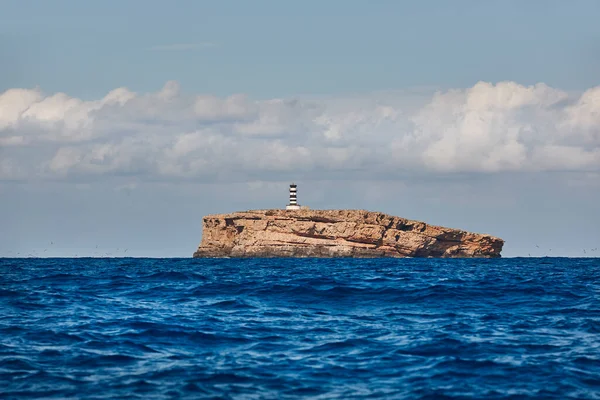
[[336, 233]]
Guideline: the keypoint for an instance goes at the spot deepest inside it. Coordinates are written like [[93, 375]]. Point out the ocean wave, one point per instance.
[[294, 328]]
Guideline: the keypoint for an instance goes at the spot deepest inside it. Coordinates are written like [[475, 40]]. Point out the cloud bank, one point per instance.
[[170, 135]]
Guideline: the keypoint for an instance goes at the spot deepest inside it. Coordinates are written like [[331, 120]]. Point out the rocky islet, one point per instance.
[[336, 233]]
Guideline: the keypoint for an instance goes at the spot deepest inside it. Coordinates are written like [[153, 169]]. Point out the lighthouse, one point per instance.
[[293, 205]]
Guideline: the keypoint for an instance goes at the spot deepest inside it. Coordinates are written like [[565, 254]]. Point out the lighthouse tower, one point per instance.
[[293, 198]]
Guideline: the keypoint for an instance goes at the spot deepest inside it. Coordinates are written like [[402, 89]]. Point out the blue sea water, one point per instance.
[[300, 328]]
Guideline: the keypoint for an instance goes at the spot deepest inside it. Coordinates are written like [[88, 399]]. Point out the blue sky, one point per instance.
[[122, 123], [283, 48]]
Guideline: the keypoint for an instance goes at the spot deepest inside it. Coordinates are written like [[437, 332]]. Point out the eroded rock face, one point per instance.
[[335, 233]]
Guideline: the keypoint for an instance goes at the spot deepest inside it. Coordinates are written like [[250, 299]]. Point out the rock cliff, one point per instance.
[[335, 233]]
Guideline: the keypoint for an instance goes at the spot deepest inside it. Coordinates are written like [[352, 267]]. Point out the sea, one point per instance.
[[135, 328]]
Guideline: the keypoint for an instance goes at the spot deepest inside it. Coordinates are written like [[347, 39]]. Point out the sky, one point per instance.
[[123, 123]]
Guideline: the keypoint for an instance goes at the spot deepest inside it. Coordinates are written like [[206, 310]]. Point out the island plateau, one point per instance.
[[336, 233]]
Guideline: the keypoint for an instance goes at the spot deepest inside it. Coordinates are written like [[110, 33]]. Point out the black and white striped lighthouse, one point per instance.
[[293, 205]]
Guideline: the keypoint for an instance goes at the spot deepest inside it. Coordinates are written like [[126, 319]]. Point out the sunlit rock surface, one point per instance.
[[336, 233]]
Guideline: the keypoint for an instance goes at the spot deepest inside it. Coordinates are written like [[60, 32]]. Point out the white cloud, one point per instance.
[[14, 102], [487, 128], [212, 108]]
